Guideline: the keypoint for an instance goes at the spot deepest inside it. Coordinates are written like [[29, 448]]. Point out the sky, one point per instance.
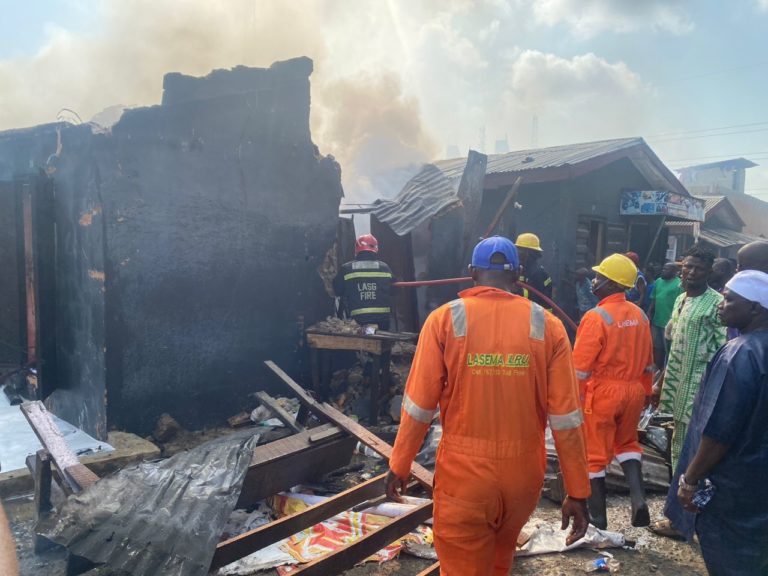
[[401, 82]]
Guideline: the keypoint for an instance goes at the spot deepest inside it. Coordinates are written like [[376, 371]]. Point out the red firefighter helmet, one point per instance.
[[366, 242]]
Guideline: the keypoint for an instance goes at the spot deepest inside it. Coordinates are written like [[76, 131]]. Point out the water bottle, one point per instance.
[[602, 565]]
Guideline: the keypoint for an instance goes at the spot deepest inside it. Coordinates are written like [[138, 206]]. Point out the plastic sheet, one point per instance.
[[544, 538]]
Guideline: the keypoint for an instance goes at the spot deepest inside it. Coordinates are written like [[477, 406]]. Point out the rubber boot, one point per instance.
[[596, 503], [634, 475]]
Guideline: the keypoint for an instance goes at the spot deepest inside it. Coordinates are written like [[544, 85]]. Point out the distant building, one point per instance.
[[721, 230], [584, 201], [727, 178], [723, 178]]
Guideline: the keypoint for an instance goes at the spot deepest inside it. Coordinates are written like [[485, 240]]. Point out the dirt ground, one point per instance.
[[651, 555]]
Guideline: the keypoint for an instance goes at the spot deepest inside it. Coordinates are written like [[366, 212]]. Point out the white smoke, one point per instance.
[[394, 82]]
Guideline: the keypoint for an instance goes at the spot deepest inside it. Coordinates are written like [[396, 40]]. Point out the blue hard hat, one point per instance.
[[481, 256]]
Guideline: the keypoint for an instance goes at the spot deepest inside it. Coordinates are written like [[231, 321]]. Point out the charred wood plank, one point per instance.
[[349, 555], [75, 474], [331, 414], [247, 543], [289, 461], [278, 412], [40, 467]]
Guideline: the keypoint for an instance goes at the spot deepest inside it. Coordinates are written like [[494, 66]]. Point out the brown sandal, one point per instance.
[[666, 529]]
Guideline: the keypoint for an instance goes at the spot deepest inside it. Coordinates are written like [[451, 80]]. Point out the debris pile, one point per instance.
[[333, 325], [349, 388], [325, 537]]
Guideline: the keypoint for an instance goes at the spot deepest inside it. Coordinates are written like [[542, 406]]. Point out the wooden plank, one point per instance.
[[328, 412], [247, 543], [277, 411], [349, 555], [43, 481], [239, 420], [383, 335], [289, 461], [77, 476], [342, 342], [433, 570]]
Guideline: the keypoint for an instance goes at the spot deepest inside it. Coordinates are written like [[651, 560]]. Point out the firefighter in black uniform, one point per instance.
[[533, 274], [364, 285]]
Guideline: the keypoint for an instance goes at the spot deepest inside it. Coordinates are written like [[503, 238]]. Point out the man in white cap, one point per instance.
[[719, 485]]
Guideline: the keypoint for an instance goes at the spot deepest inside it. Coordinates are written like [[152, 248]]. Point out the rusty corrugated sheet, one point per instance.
[[428, 193]]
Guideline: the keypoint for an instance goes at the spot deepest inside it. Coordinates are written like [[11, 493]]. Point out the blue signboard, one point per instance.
[[661, 203]]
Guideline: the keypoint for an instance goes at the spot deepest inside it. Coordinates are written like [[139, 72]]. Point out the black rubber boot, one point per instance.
[[634, 475], [596, 503]]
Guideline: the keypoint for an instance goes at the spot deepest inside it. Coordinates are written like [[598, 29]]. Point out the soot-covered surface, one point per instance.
[[188, 240]]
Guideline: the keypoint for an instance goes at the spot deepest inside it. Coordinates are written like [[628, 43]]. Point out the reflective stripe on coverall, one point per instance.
[[499, 367], [613, 356]]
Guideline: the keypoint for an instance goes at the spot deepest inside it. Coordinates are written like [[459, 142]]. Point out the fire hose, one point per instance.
[[559, 311]]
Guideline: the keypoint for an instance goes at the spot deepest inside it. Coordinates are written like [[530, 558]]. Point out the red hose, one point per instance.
[[559, 311]]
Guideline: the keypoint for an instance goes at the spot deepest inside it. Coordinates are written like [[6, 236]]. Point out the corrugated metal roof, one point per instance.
[[753, 211], [553, 157], [434, 188], [428, 193], [724, 238], [710, 202], [725, 164]]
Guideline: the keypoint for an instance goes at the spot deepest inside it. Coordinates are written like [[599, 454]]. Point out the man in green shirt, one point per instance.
[[666, 289], [696, 334]]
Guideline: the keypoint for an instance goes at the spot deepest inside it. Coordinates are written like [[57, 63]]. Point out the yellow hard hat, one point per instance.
[[618, 268], [528, 240]]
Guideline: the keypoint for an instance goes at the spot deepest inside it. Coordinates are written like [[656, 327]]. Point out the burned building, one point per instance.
[[154, 266], [584, 201]]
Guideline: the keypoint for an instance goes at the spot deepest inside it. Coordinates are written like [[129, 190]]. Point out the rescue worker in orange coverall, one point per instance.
[[498, 366], [613, 356]]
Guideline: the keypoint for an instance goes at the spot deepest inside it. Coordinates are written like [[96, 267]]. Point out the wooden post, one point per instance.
[[373, 409], [43, 481], [655, 239]]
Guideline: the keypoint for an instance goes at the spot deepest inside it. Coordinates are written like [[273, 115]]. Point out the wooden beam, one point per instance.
[[43, 481], [349, 555], [75, 474], [249, 542], [278, 412], [511, 195], [433, 570], [329, 413], [344, 342], [289, 461]]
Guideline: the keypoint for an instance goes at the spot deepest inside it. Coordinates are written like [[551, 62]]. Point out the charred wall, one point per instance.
[[219, 210], [69, 267], [187, 246]]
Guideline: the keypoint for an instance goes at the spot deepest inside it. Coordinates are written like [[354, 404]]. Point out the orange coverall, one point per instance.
[[613, 356], [498, 366]]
